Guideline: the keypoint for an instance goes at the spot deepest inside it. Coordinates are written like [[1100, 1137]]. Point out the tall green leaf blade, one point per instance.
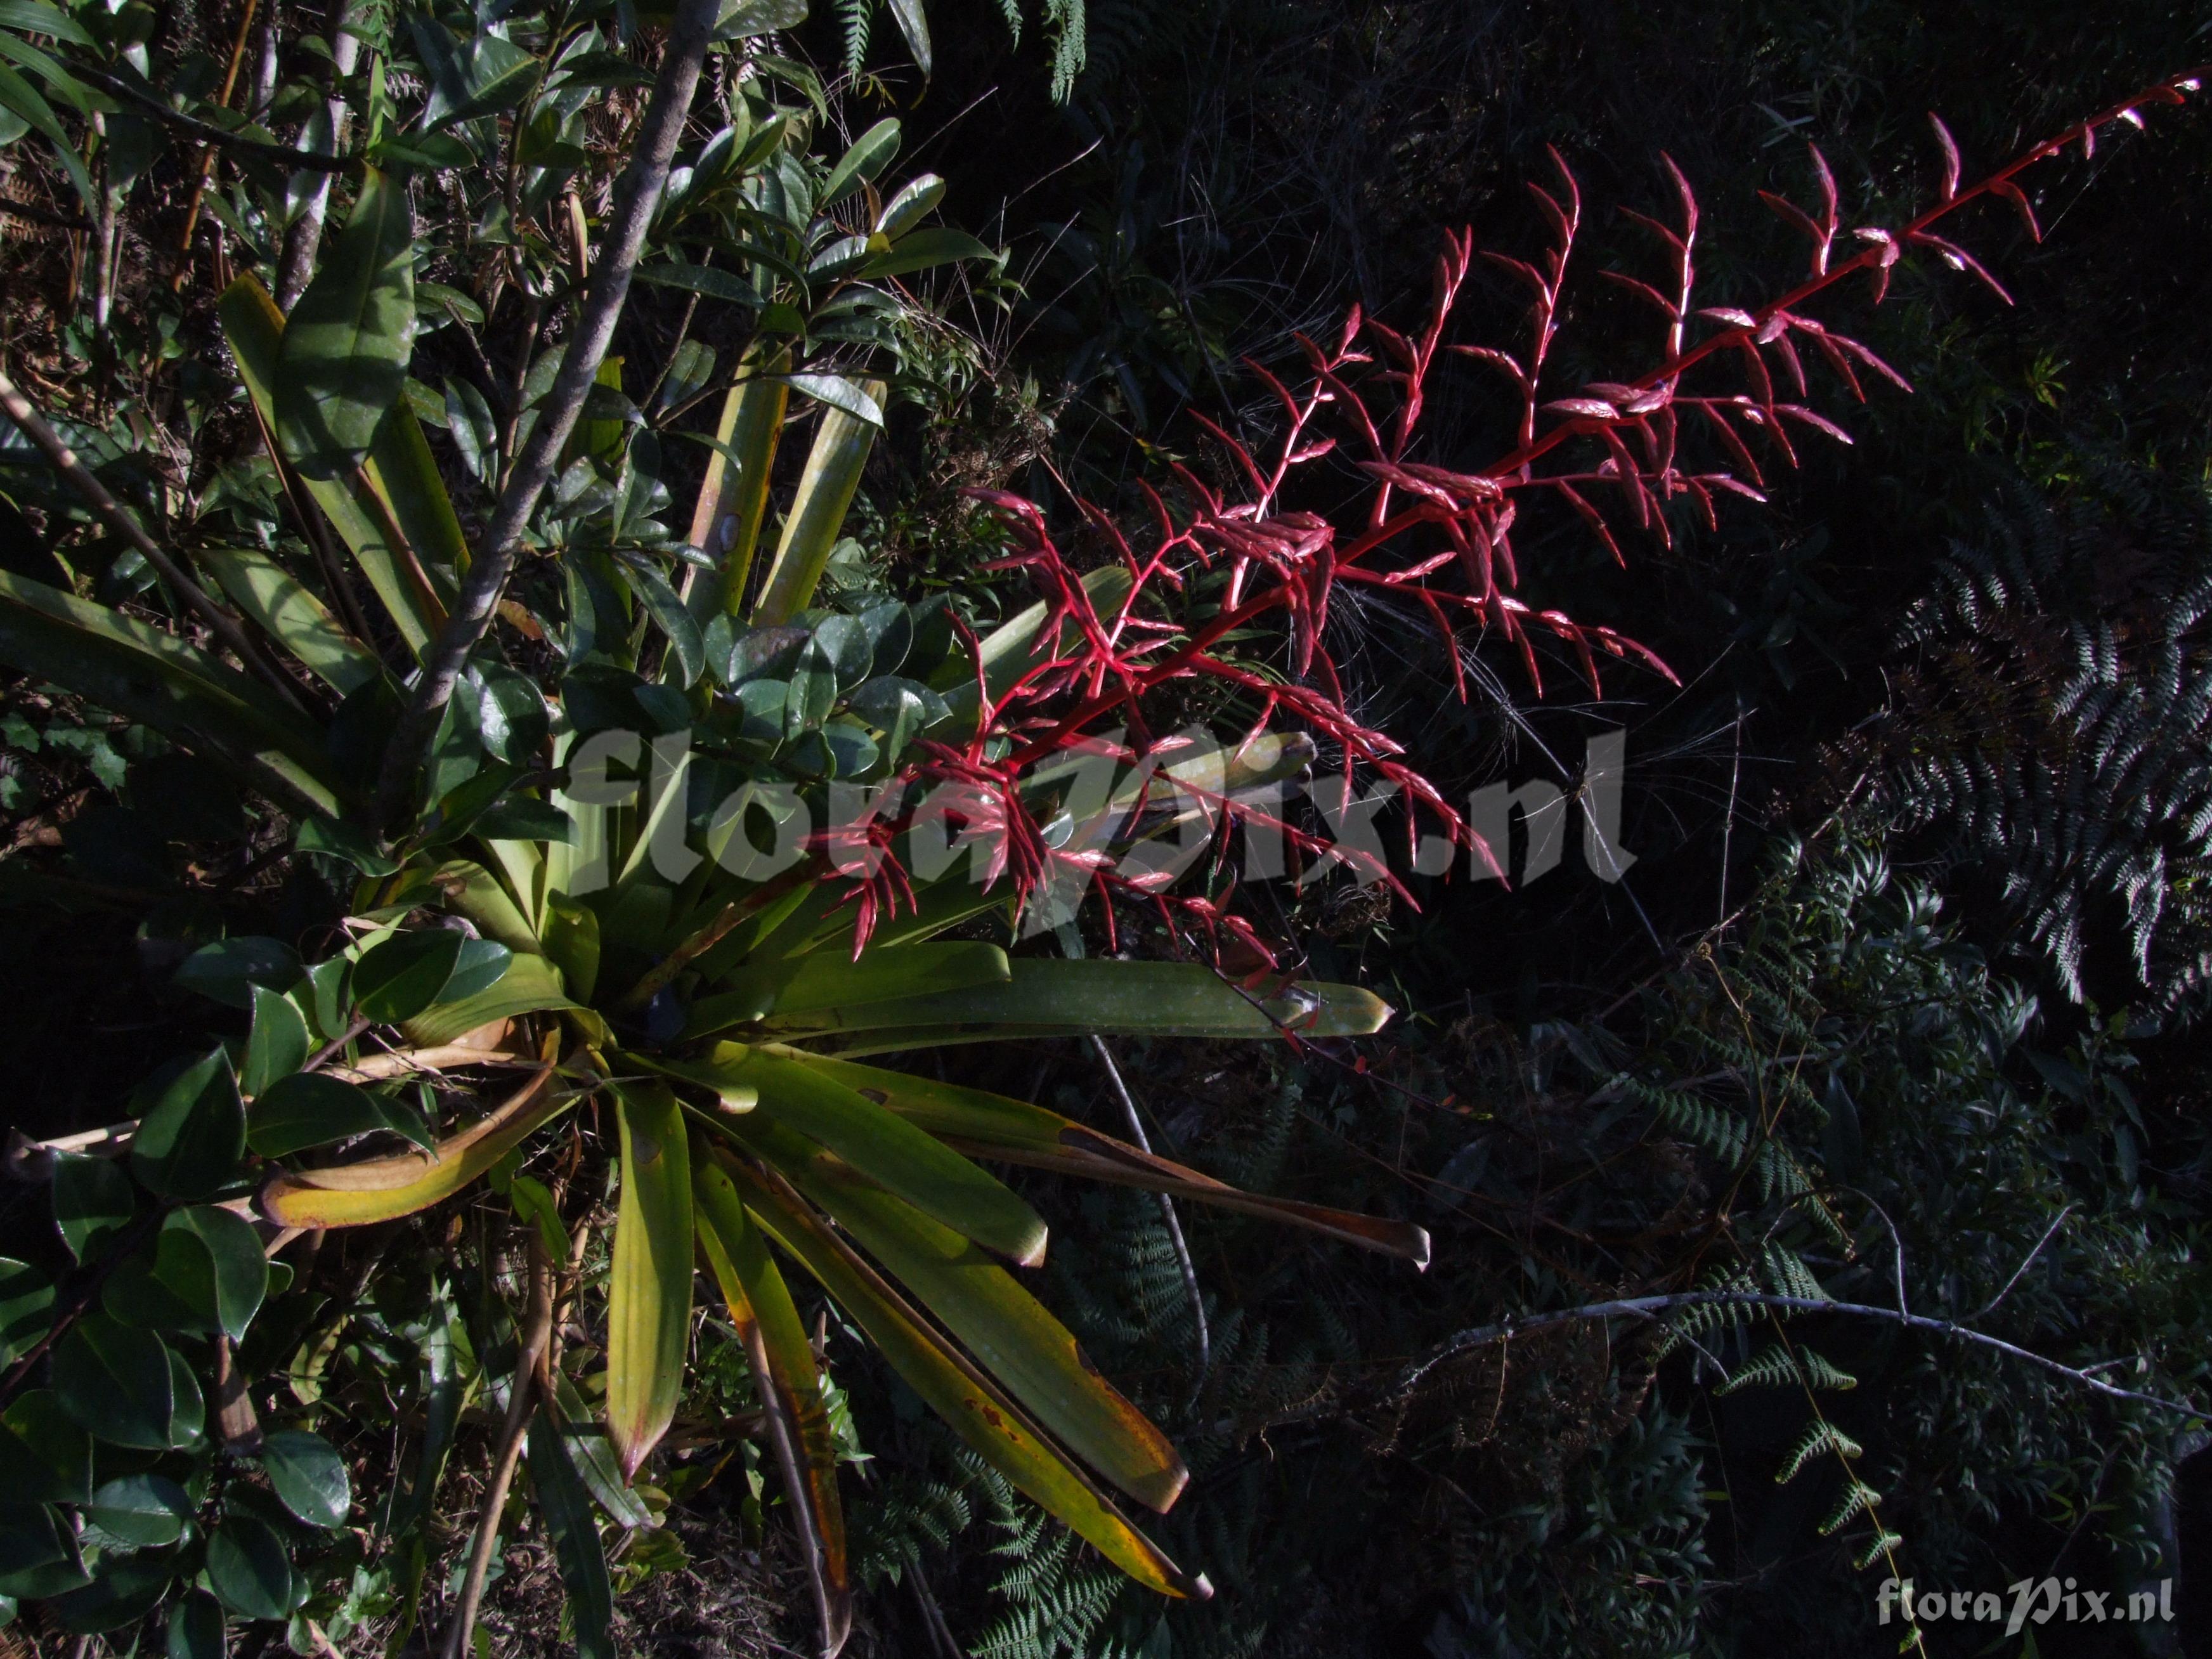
[[787, 1378], [283, 606], [885, 1148], [734, 496], [978, 1409], [567, 1509], [139, 671], [1055, 998], [342, 366], [988, 1125], [255, 330], [649, 1293], [817, 511], [1010, 1332]]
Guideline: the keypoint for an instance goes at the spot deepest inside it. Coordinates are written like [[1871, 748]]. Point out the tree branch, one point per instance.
[[116, 518], [521, 1404], [640, 195], [1647, 1307]]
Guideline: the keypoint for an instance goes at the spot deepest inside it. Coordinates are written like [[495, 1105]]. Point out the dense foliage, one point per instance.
[[533, 901]]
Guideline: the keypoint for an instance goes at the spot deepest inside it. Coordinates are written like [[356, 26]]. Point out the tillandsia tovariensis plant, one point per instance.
[[550, 751]]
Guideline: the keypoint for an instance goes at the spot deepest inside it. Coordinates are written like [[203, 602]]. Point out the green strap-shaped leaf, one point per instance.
[[919, 1167], [830, 979], [343, 366], [139, 671], [817, 511], [1010, 1333], [20, 95], [531, 985], [566, 1508], [649, 1290], [734, 496], [988, 1125], [978, 1410], [787, 1378], [1046, 998], [289, 613], [255, 329]]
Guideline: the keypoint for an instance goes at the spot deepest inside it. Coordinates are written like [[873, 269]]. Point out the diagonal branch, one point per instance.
[[1647, 1307], [635, 202], [113, 514]]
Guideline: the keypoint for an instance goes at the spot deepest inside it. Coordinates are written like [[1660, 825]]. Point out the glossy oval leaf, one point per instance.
[[114, 1382], [93, 1200], [140, 1511], [279, 1045], [190, 1141], [248, 1569], [46, 1455], [308, 1475], [195, 1628], [312, 1108], [26, 1302]]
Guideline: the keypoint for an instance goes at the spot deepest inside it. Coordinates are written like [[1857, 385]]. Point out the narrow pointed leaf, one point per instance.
[[282, 605], [993, 1127], [817, 511], [734, 496], [788, 1381], [342, 366], [1009, 1331], [566, 1509], [140, 671], [884, 1148], [255, 330], [649, 1293], [1046, 998], [978, 1409]]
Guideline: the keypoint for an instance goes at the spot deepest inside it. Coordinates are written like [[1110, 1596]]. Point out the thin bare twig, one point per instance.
[[640, 194], [521, 1404], [1647, 1307], [2057, 1222], [1167, 1214], [117, 518]]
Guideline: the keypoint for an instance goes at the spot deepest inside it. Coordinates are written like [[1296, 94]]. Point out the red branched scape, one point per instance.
[[1438, 538]]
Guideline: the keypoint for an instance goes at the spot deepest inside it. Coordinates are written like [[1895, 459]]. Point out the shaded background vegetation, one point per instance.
[[1917, 907]]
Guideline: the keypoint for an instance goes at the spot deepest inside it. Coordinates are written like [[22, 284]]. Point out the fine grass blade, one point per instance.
[[649, 1293], [817, 511], [1009, 1331], [789, 1384], [384, 1188], [886, 1149], [978, 1409]]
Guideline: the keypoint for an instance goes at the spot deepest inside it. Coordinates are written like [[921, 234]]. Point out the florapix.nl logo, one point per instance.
[[1148, 816], [2029, 1601]]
